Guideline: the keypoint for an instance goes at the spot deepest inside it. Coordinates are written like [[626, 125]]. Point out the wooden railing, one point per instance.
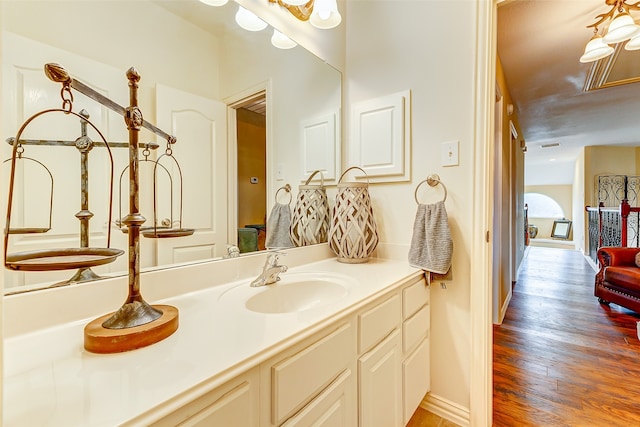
[[613, 227]]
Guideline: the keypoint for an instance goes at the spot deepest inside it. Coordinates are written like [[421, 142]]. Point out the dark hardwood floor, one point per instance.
[[561, 358]]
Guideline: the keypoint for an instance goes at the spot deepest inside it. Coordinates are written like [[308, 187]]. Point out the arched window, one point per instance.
[[542, 206]]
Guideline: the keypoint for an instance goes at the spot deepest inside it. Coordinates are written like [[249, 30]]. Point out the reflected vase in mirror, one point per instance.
[[310, 221]]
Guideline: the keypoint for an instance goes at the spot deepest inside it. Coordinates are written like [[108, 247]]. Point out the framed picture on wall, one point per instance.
[[561, 229]]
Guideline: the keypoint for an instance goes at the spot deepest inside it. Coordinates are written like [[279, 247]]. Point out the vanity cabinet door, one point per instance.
[[416, 371], [416, 378], [235, 403], [300, 375], [380, 372]]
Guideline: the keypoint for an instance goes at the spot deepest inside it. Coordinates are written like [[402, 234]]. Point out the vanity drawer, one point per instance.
[[300, 377], [375, 324], [235, 403], [414, 297], [415, 329]]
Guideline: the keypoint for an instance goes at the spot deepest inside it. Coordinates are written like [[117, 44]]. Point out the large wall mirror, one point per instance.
[[205, 80]]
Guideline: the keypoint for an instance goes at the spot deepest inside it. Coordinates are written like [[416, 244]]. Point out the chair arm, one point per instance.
[[617, 256]]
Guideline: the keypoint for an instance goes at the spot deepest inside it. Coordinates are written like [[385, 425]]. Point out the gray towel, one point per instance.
[[431, 244], [278, 227]]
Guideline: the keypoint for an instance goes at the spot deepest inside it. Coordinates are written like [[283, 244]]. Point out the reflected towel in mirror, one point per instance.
[[278, 226]]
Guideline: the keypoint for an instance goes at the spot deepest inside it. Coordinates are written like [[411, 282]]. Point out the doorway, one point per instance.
[[248, 171]]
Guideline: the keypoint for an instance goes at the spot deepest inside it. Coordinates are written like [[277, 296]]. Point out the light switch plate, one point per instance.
[[280, 172], [450, 153]]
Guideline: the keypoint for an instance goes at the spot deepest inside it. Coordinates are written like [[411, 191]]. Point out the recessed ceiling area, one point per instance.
[[539, 44]]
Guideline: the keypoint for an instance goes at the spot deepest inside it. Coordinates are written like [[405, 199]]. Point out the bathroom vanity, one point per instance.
[[330, 344]]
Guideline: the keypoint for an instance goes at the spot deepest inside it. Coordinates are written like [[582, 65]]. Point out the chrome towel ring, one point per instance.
[[432, 180], [286, 188]]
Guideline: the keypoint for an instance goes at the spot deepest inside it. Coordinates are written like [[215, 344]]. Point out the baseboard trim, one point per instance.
[[553, 243], [446, 409], [591, 263], [505, 306]]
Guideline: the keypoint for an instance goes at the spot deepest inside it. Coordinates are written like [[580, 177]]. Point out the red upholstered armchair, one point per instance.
[[618, 280]]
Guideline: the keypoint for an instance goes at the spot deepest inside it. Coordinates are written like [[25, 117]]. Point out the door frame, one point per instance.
[[481, 292], [498, 203], [234, 102]]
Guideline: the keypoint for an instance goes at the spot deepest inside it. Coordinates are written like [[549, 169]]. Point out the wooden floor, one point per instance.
[[561, 358], [424, 418]]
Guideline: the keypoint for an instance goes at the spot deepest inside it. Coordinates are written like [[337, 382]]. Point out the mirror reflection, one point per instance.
[[248, 117]]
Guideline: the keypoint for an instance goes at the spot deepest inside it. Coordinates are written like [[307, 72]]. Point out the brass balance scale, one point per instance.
[[136, 324]]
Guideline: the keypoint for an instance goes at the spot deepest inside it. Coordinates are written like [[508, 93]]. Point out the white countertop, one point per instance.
[[50, 380]]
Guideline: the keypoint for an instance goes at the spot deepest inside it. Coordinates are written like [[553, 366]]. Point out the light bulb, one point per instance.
[[634, 43], [281, 41], [325, 14], [621, 28], [249, 21], [215, 2], [596, 49]]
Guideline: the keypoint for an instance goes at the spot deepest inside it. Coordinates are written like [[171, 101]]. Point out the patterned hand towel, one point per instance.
[[431, 244], [278, 227]]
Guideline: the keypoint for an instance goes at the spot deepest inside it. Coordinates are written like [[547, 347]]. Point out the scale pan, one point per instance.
[[161, 233], [61, 259], [125, 230], [29, 230]]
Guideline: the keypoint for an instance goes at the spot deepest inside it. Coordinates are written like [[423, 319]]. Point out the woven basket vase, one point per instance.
[[353, 235], [310, 219]]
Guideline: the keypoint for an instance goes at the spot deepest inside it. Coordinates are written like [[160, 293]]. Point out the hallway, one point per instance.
[[560, 358]]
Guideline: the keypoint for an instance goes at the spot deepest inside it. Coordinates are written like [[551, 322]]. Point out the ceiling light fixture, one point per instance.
[[620, 29], [321, 14]]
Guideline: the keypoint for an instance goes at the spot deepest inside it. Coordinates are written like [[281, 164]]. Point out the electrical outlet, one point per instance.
[[450, 153]]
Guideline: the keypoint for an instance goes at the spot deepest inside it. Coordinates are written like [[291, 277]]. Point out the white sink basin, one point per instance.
[[295, 292], [295, 296]]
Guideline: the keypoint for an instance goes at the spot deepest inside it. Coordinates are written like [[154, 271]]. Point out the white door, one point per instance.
[[201, 151]]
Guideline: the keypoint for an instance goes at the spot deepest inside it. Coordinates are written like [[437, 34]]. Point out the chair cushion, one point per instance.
[[638, 259], [623, 279]]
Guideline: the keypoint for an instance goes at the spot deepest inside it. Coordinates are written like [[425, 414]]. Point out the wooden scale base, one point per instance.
[[98, 339]]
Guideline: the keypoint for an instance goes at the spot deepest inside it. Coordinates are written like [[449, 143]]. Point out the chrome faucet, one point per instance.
[[232, 251], [270, 271]]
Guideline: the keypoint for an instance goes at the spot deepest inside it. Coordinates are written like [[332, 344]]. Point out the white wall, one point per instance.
[[392, 46], [561, 194], [300, 87], [146, 37]]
